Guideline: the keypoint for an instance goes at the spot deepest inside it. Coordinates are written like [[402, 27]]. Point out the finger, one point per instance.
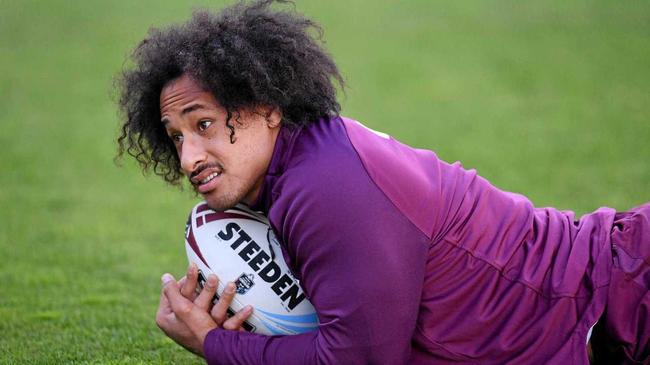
[[179, 304], [220, 310], [235, 322], [204, 300], [188, 289], [181, 282]]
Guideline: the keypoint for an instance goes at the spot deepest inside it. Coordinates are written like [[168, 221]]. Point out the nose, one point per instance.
[[192, 154]]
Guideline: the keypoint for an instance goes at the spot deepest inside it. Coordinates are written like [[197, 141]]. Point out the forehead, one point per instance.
[[180, 92]]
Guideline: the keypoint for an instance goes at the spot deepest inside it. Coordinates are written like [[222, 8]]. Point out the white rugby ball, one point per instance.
[[239, 245]]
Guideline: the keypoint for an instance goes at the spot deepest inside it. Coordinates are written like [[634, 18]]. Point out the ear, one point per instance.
[[273, 117]]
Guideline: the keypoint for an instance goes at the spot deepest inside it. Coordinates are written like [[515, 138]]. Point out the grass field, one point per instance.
[[547, 98]]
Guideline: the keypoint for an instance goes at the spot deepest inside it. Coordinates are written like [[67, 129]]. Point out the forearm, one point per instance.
[[228, 347]]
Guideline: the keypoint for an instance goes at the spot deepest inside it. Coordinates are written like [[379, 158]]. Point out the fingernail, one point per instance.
[[166, 278], [212, 281], [231, 288], [248, 309], [192, 268]]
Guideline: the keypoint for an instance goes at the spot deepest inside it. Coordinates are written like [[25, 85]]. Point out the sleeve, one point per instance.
[[361, 264]]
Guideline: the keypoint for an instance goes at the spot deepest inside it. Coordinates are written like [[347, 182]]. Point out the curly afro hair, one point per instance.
[[246, 55]]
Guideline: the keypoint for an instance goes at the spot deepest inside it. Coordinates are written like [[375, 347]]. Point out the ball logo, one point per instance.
[[244, 283]]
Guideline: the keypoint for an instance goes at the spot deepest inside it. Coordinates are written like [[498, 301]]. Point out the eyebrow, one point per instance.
[[188, 109], [192, 107]]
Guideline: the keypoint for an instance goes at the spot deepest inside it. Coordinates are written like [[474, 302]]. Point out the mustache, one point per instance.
[[204, 166]]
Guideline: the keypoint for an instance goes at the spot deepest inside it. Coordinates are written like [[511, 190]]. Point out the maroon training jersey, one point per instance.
[[409, 259]]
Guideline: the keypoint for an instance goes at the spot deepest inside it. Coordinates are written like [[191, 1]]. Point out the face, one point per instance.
[[224, 173]]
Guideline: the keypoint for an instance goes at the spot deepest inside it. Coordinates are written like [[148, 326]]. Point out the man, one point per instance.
[[407, 259]]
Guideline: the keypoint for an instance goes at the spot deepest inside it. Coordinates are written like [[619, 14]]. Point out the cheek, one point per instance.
[[250, 162], [251, 154]]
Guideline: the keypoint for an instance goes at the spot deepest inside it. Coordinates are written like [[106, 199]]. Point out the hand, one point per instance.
[[187, 318], [170, 324]]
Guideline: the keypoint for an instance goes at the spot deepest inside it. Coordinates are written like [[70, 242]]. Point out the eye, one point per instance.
[[176, 137], [204, 124]]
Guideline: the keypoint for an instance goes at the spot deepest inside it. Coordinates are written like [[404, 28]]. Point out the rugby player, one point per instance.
[[406, 258]]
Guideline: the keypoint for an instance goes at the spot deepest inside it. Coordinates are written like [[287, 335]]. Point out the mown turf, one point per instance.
[[546, 98]]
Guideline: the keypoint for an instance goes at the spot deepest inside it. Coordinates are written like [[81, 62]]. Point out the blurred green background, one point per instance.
[[547, 98]]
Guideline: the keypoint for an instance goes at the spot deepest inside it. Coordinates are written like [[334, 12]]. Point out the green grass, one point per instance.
[[549, 99]]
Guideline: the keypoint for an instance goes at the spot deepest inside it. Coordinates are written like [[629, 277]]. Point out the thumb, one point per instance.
[[167, 278], [164, 305], [180, 305]]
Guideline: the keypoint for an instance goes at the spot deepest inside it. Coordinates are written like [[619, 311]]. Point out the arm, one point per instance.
[[361, 263]]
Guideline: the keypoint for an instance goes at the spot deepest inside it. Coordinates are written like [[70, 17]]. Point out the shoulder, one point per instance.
[[323, 171], [342, 161], [322, 158]]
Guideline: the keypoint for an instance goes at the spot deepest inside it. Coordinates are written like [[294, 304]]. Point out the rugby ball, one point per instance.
[[239, 245]]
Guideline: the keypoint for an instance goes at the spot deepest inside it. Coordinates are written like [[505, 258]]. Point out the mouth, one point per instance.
[[209, 178], [206, 179]]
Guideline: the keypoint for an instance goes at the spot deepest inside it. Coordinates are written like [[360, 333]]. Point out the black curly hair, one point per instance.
[[246, 55]]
